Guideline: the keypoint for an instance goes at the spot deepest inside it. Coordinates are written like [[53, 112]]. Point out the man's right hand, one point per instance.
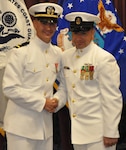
[[51, 104]]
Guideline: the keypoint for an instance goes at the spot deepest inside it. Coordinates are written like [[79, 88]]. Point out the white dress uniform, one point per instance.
[[28, 81], [95, 102]]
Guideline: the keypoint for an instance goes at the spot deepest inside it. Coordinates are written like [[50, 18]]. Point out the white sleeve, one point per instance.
[[109, 77]]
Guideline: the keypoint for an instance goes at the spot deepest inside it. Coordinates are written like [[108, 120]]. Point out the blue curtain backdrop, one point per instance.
[[109, 35]]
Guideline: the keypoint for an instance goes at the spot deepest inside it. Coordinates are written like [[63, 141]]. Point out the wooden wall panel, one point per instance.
[[120, 5], [32, 2]]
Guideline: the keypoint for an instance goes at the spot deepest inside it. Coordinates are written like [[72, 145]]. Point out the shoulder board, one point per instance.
[[23, 44]]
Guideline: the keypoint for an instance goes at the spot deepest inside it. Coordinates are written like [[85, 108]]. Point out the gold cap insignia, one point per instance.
[[50, 10], [78, 20]]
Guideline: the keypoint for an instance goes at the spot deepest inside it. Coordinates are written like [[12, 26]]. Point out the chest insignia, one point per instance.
[[87, 72]]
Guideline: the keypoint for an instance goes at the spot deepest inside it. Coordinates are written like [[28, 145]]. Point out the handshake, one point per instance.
[[51, 104]]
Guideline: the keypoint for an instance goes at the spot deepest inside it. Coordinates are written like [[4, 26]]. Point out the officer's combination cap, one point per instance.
[[46, 12], [82, 21]]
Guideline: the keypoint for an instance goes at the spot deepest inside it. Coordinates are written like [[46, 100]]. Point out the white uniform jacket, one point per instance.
[[95, 102], [28, 80]]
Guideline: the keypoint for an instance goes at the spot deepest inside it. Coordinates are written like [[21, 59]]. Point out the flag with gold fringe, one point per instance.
[[15, 28], [109, 32]]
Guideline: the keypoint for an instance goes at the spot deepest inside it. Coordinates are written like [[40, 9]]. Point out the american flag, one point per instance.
[[109, 33]]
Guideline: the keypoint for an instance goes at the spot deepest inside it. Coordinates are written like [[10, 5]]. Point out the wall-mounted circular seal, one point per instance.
[[9, 19]]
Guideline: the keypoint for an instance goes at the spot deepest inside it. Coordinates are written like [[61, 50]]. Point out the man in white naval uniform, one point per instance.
[[92, 81], [28, 83]]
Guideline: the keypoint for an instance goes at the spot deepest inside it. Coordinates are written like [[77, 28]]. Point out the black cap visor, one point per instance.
[[83, 27], [47, 20]]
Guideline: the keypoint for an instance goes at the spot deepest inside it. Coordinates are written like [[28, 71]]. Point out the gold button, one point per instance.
[[46, 51], [73, 100], [73, 86], [74, 115], [77, 56], [47, 65], [74, 71], [34, 70], [44, 93], [47, 79]]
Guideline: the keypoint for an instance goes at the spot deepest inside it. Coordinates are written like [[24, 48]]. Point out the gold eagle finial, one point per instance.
[[106, 20]]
